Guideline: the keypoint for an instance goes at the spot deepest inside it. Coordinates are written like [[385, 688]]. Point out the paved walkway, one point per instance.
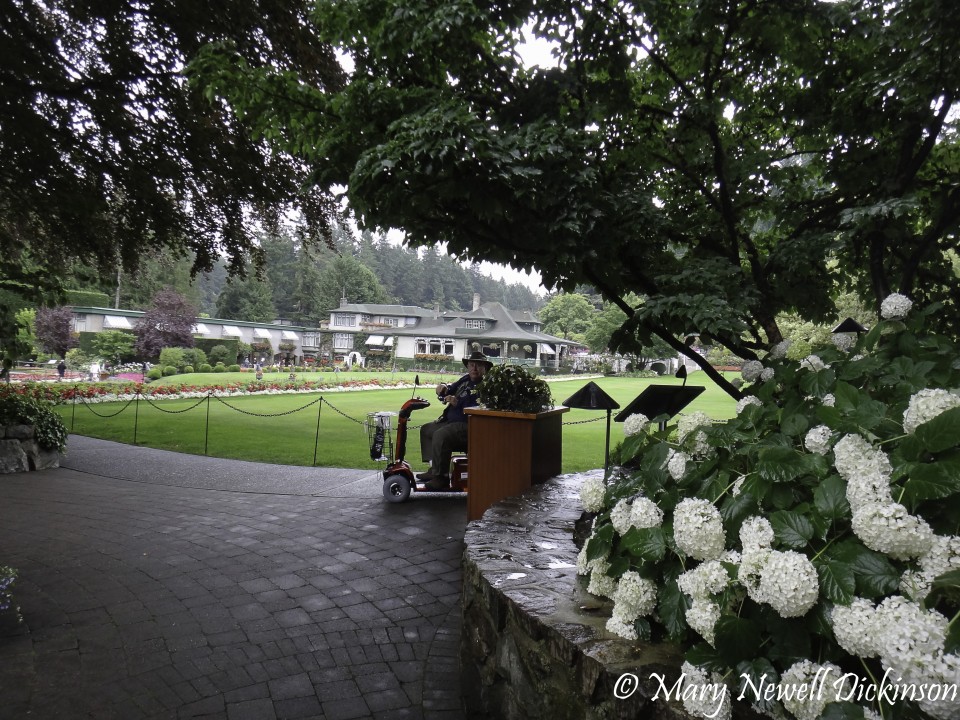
[[159, 585]]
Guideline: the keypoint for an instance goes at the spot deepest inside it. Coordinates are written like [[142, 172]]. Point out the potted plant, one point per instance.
[[514, 437]]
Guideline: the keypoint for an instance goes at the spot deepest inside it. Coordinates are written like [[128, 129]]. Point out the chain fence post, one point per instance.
[[206, 434], [73, 415], [316, 442], [136, 415]]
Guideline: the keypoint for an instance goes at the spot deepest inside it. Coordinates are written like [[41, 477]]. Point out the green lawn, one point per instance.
[[283, 428]]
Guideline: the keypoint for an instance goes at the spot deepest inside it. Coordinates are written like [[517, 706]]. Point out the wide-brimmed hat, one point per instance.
[[478, 357]]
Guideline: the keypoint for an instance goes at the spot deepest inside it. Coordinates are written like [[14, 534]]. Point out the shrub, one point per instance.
[[220, 354], [234, 368], [511, 388], [187, 369], [219, 368], [816, 532], [172, 356], [155, 373], [169, 370], [205, 368], [194, 356], [49, 430]]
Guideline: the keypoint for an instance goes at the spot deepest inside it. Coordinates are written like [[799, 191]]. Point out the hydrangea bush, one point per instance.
[[813, 541]]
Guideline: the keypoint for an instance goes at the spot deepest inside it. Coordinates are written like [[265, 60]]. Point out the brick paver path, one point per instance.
[[143, 598]]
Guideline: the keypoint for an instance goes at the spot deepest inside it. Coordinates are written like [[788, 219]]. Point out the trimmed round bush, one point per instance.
[[219, 368], [234, 368], [187, 369], [206, 367], [169, 370], [155, 373]]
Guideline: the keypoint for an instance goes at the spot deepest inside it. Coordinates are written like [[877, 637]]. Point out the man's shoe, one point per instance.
[[439, 483], [425, 476]]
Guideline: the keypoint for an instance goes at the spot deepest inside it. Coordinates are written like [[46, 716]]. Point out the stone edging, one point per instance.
[[533, 642], [20, 452]]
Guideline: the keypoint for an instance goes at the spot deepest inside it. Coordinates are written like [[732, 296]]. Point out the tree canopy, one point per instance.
[[106, 150], [727, 160], [168, 322]]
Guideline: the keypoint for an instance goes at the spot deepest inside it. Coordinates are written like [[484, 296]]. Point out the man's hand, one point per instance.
[[451, 400]]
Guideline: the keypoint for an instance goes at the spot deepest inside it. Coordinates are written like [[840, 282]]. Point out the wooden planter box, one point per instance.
[[508, 452]]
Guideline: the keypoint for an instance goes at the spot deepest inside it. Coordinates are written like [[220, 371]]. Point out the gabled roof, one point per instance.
[[500, 325], [395, 310]]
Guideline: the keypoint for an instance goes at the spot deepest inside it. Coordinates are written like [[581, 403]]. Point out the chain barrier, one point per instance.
[[268, 415], [106, 417], [582, 422], [340, 412], [152, 404]]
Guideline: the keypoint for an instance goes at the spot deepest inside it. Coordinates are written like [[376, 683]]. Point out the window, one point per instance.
[[310, 338], [435, 346], [80, 322], [390, 322], [341, 320], [342, 341], [476, 324]]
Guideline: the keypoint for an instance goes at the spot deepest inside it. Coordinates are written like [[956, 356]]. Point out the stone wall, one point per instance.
[[533, 641], [19, 451]]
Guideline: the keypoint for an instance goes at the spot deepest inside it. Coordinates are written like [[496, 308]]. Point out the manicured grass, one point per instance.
[[283, 428]]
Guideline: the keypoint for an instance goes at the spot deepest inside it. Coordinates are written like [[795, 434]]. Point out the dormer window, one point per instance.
[[476, 324]]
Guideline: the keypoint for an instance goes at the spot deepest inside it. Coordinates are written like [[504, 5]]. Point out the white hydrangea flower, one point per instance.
[[702, 616], [737, 383], [895, 307], [584, 566], [906, 634], [704, 697], [592, 493], [789, 583], [767, 374], [698, 529], [853, 627], [752, 563], [624, 628], [601, 584], [745, 402], [751, 370], [817, 440], [809, 676], [706, 579], [620, 516], [677, 464], [943, 670], [686, 424], [635, 424], [925, 405], [813, 363], [779, 351], [889, 528], [866, 469], [943, 556], [738, 485], [756, 533], [829, 400], [635, 595], [844, 342], [645, 513]]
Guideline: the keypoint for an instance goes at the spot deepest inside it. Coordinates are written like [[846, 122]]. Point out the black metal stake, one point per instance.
[[606, 456], [73, 415], [316, 442], [206, 436], [136, 416]]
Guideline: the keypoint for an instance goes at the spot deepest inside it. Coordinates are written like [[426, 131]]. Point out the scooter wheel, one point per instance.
[[396, 489]]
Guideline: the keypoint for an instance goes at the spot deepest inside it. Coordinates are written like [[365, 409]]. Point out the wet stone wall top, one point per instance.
[[534, 642]]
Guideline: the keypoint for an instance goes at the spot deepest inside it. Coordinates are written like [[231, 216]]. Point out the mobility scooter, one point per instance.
[[399, 479]]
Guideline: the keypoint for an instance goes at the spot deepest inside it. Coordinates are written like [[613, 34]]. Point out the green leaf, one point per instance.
[[837, 581], [703, 656], [943, 585], [779, 464], [794, 425], [792, 529], [842, 711], [737, 639], [818, 383], [941, 433], [672, 608], [929, 481], [830, 498], [649, 544], [600, 543], [875, 574], [755, 677]]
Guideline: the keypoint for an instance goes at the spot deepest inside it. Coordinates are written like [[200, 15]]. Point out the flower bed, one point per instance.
[[810, 545], [111, 392]]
